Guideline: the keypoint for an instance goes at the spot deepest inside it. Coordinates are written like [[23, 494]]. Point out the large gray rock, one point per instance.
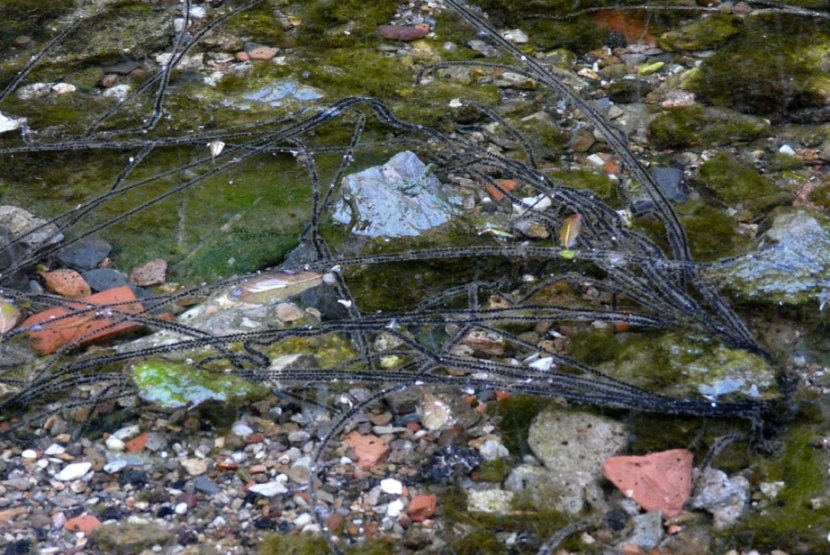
[[792, 268], [399, 199], [568, 441]]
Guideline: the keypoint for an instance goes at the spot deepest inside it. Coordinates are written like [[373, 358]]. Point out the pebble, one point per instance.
[[74, 471], [242, 429], [195, 467], [114, 444], [54, 449], [67, 283], [101, 279], [29, 454], [391, 486], [151, 273], [85, 254], [181, 508], [269, 489]]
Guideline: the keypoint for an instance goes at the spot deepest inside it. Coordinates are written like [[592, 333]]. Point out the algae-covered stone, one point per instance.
[[685, 365], [130, 538], [774, 65], [794, 268], [172, 385], [733, 182], [701, 34], [699, 126], [568, 441]]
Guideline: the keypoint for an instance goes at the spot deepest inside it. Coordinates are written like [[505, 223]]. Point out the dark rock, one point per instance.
[[669, 179], [85, 254], [205, 484], [450, 464], [626, 91], [22, 547], [101, 279]]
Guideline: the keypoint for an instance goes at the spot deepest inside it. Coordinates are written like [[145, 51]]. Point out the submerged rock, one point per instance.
[[793, 268], [172, 385], [284, 89], [399, 199]]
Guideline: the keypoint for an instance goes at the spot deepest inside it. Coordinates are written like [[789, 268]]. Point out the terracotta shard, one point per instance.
[[368, 449], [49, 330], [657, 482], [403, 32]]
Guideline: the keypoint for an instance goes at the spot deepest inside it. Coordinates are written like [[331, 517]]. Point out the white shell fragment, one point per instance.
[[74, 471], [216, 148]]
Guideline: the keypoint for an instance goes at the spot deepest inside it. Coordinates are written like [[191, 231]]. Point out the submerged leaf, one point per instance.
[[435, 413], [278, 285], [9, 315], [570, 231]]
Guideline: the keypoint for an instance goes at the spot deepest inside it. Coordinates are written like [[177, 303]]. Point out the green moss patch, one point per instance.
[[733, 182]]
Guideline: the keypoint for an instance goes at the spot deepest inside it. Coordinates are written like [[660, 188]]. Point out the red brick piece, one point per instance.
[[422, 507], [50, 334]]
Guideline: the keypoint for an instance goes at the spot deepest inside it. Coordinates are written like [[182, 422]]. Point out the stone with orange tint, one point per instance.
[[83, 523], [369, 449], [49, 330], [422, 507], [66, 283], [657, 482]]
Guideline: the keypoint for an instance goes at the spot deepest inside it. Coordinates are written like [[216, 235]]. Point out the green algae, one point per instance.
[[701, 34], [172, 385], [699, 126], [687, 365], [733, 182], [515, 414], [712, 233], [328, 350], [495, 471], [796, 520], [772, 67]]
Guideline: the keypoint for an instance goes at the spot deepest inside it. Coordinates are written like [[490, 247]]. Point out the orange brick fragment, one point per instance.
[[368, 449], [49, 335], [138, 443], [83, 523], [422, 507], [506, 184]]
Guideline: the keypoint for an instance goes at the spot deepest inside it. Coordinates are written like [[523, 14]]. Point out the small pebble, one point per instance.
[[74, 471]]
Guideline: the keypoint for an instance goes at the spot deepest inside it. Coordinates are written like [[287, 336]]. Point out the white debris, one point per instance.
[[391, 486], [74, 471], [269, 489]]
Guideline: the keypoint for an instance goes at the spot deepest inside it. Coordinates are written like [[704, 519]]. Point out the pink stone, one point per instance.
[[368, 449], [657, 482], [403, 32]]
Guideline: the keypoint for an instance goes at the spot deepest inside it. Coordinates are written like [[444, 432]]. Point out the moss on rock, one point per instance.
[[701, 34], [733, 182]]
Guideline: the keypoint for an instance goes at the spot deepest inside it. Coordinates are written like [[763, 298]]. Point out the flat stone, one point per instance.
[[496, 501], [570, 441], [83, 523], [85, 254], [101, 279], [74, 471], [269, 489], [657, 482], [369, 449], [66, 283], [403, 32], [205, 484], [195, 466], [669, 180], [722, 496], [153, 272]]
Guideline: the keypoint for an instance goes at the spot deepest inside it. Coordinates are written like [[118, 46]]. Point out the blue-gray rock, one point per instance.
[[281, 90], [648, 530], [205, 484], [399, 199], [669, 180], [793, 267], [85, 254], [102, 279]]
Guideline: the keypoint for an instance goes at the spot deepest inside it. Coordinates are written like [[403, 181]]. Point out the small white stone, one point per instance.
[[74, 471], [195, 467], [242, 429], [302, 520], [198, 12], [63, 88], [787, 149], [54, 449], [115, 466], [114, 444], [29, 454], [456, 103], [269, 489], [391, 486], [395, 508], [127, 432], [181, 508]]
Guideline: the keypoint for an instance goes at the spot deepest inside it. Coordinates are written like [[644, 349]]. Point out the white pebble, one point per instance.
[[302, 520], [114, 444], [54, 449], [127, 432], [391, 486], [29, 454], [269, 489], [74, 471], [181, 508], [395, 508], [242, 429], [786, 149], [115, 466]]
